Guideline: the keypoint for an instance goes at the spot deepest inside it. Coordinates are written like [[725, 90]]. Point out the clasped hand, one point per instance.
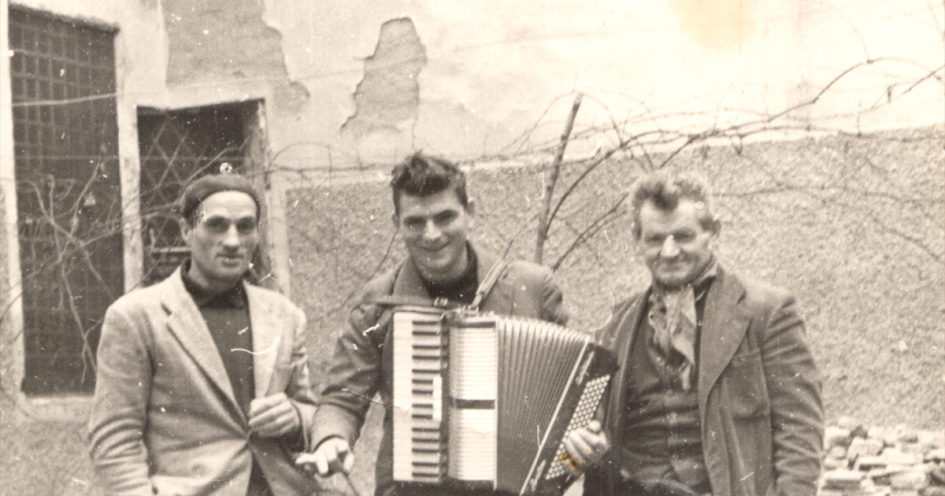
[[273, 416]]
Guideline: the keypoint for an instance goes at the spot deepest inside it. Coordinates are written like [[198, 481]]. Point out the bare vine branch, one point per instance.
[[551, 180]]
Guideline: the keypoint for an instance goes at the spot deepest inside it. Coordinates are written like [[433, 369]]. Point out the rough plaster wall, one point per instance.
[[387, 98], [223, 40], [850, 226]]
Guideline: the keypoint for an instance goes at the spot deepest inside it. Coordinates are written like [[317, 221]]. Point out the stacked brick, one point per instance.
[[882, 461]]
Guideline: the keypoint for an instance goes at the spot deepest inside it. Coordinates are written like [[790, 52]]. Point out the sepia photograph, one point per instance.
[[417, 247]]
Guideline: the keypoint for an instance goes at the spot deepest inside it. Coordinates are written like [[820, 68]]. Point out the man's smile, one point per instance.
[[231, 259]]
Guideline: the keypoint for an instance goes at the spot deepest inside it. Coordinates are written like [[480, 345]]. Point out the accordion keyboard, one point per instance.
[[418, 398]]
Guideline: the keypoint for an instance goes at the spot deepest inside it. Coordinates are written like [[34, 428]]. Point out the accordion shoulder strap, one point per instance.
[[486, 285]]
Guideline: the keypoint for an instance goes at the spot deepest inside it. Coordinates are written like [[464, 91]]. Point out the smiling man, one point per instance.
[[434, 215], [717, 391], [202, 384]]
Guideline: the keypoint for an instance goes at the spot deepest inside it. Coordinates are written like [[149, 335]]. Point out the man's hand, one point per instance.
[[273, 416], [586, 446], [332, 455]]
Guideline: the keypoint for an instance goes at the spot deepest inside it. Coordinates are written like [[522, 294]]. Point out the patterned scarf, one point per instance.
[[672, 317]]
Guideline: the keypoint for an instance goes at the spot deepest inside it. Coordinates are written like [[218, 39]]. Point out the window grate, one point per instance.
[[68, 194]]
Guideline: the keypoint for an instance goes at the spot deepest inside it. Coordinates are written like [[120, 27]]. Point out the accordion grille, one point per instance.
[[536, 362]]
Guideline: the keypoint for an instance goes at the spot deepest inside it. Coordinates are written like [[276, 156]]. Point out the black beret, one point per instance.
[[200, 189]]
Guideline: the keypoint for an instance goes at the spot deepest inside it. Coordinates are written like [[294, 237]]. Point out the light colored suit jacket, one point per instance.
[[164, 418], [759, 390]]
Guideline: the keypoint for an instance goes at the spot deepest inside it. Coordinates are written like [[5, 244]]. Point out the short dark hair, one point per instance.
[[666, 189], [425, 175], [198, 191]]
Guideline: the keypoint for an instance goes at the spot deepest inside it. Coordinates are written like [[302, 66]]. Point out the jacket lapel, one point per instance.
[[186, 324], [485, 260], [409, 282], [624, 332], [725, 324], [267, 328]]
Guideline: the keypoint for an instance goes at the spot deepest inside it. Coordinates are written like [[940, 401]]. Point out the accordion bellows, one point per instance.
[[489, 399]]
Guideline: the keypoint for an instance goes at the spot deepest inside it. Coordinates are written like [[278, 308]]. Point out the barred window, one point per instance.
[[68, 194]]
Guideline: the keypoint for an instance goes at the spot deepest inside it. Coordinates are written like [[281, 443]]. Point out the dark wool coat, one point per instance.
[[758, 388]]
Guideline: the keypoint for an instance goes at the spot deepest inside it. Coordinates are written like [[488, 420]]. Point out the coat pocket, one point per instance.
[[745, 381]]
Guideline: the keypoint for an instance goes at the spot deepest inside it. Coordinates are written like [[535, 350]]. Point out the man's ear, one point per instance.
[[716, 228], [716, 231], [185, 229], [637, 245]]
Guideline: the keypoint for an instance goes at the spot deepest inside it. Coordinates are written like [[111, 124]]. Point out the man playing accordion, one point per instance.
[[433, 215]]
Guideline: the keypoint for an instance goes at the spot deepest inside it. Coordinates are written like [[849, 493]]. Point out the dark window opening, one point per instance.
[[176, 147], [68, 194]]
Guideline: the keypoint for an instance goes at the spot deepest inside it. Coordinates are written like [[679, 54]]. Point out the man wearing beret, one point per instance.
[[202, 384]]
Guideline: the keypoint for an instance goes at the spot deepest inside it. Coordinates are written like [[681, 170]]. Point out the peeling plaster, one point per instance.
[[219, 40], [388, 97]]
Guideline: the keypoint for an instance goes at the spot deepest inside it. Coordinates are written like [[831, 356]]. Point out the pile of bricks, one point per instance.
[[876, 461]]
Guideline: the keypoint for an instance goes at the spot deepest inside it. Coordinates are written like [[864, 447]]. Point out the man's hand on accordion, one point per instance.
[[331, 456], [586, 446]]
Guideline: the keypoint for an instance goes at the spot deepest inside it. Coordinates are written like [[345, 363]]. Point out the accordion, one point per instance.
[[488, 400]]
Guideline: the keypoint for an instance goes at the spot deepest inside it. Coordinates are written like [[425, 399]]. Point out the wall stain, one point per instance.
[[715, 24], [388, 96]]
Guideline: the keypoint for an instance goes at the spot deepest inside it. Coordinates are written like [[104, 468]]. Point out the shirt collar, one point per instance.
[[234, 297], [469, 276], [700, 285]]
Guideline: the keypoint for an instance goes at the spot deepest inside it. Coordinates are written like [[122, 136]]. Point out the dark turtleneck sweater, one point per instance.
[[226, 314], [462, 290]]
